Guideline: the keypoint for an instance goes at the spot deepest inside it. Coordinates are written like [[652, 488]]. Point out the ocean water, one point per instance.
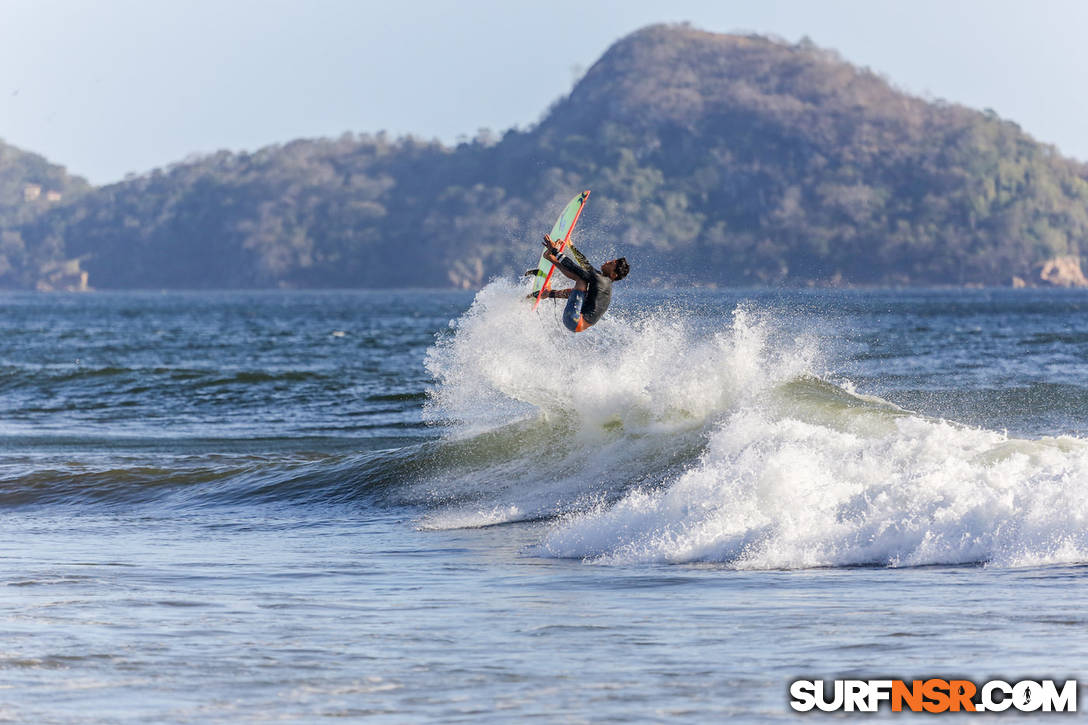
[[432, 506]]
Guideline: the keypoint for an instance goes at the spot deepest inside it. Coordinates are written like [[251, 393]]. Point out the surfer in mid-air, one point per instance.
[[592, 291]]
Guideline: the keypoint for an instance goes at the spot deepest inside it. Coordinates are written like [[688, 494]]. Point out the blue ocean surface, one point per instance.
[[408, 506]]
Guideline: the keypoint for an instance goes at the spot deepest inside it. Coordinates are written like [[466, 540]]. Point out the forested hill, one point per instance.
[[30, 187], [713, 159]]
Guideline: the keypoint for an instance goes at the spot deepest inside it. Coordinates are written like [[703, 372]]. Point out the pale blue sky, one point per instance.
[[108, 87]]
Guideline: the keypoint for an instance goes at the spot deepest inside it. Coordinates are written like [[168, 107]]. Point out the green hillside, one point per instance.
[[31, 187], [713, 159]]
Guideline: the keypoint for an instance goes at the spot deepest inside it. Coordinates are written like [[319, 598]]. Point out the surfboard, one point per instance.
[[560, 234]]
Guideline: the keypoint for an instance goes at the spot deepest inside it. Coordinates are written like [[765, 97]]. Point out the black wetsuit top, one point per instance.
[[598, 293]]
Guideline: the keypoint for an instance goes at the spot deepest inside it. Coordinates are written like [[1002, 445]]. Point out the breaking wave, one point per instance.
[[664, 436]]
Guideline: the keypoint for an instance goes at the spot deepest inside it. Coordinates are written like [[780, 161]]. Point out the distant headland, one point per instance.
[[713, 159]]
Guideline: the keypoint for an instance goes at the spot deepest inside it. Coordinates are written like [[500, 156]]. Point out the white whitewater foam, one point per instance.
[[785, 493]]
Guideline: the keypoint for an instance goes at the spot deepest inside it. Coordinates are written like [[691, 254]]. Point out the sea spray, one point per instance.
[[587, 416], [645, 369]]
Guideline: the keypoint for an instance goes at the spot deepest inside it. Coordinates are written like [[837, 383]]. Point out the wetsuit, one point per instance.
[[585, 307]]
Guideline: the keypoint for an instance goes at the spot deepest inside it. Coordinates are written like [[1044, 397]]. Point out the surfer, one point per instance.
[[592, 291]]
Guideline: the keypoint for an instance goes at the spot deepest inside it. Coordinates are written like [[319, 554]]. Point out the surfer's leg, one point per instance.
[[572, 313]]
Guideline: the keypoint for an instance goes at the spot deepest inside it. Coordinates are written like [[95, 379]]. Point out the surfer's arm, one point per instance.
[[550, 294], [569, 268]]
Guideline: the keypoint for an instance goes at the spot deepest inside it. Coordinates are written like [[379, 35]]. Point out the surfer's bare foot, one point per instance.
[[532, 272]]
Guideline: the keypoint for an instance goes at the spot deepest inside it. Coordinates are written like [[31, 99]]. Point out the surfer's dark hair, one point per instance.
[[622, 268]]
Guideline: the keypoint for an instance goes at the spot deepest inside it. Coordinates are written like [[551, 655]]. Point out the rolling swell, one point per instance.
[[372, 478], [452, 471], [198, 400]]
